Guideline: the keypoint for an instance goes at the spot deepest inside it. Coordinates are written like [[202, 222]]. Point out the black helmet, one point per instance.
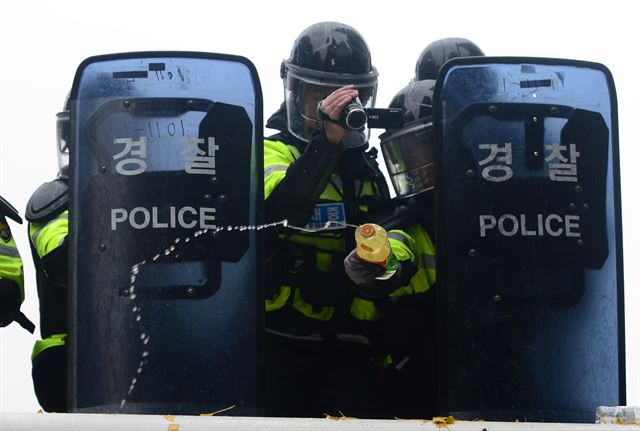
[[324, 57], [408, 152], [415, 100], [439, 52]]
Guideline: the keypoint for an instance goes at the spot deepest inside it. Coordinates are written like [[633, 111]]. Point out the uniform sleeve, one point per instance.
[[414, 245], [293, 185], [277, 158], [46, 237]]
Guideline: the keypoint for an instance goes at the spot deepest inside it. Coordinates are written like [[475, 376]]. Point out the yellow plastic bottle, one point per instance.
[[373, 246]]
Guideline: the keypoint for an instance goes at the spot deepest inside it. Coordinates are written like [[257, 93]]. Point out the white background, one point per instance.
[[43, 43]]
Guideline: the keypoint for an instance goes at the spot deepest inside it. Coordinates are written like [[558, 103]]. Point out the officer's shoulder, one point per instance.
[[49, 200]]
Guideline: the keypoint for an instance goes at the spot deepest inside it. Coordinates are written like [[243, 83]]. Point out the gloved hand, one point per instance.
[[10, 306], [361, 272], [9, 301]]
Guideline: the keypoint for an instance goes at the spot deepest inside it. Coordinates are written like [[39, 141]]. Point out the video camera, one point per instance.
[[354, 116]]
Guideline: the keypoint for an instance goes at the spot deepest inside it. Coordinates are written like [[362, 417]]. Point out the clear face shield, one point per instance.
[[408, 154], [303, 93], [63, 132]]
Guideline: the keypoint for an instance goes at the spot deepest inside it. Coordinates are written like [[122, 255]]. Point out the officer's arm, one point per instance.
[[11, 281], [11, 277], [292, 189], [48, 218], [49, 240], [295, 196]]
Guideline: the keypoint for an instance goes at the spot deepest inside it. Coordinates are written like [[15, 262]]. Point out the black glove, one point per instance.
[[10, 306], [362, 273]]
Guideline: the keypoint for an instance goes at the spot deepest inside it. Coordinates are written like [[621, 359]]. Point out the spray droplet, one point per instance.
[[146, 340], [156, 257], [187, 239], [122, 403], [229, 228], [285, 222], [138, 318], [167, 252], [132, 296], [142, 336], [134, 381], [177, 240], [139, 370], [145, 354], [135, 308]]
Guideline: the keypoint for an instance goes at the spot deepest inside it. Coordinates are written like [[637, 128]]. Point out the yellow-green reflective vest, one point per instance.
[[277, 158]]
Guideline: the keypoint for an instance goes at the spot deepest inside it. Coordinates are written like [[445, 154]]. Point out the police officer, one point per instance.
[[323, 329], [47, 213], [440, 51], [11, 272], [410, 325]]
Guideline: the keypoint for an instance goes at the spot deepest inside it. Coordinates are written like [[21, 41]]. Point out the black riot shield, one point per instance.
[[166, 192], [529, 240]]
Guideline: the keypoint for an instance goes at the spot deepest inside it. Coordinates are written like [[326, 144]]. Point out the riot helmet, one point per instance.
[[63, 131], [324, 57], [408, 152], [439, 52]]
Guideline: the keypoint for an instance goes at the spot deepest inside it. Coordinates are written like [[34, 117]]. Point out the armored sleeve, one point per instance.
[[48, 240]]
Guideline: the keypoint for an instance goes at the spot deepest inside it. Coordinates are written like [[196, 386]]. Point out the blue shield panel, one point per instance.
[[529, 240], [166, 180]]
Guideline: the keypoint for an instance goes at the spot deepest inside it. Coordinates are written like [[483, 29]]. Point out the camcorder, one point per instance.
[[354, 116]]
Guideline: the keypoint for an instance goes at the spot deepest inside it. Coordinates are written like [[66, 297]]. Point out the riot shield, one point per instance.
[[529, 240], [166, 191]]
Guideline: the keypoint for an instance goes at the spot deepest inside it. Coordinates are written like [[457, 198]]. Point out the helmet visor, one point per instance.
[[302, 95], [408, 154], [63, 131]]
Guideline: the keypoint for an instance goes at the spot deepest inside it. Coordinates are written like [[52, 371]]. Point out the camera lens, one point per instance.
[[354, 116]]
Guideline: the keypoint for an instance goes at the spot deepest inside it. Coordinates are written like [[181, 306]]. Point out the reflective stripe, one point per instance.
[[399, 237], [275, 168], [354, 338], [326, 313], [9, 251], [402, 363], [36, 234], [52, 341], [279, 300], [11, 264], [311, 337], [428, 261], [349, 338]]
